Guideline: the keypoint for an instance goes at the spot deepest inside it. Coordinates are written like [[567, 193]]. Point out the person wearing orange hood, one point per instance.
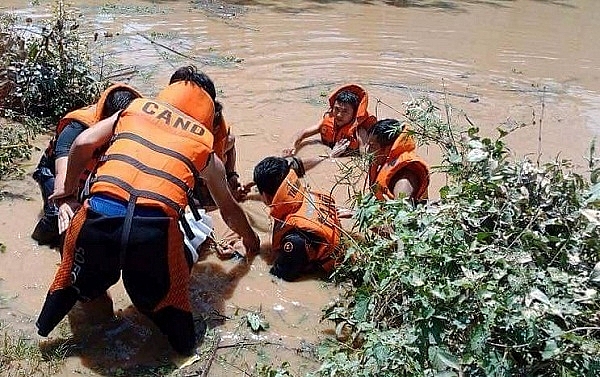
[[129, 226], [51, 169], [346, 119], [396, 171]]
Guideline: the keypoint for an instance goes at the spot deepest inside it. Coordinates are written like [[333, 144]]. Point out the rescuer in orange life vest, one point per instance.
[[306, 231], [346, 119], [223, 144], [51, 169], [396, 171], [129, 226]]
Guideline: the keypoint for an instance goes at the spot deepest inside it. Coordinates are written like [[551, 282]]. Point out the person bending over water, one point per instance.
[[159, 148], [51, 170]]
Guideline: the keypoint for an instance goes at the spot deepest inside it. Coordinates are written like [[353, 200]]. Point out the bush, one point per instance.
[[45, 72], [14, 146], [48, 66], [499, 277]]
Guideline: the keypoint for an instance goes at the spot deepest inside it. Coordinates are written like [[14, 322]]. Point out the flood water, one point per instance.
[[274, 63]]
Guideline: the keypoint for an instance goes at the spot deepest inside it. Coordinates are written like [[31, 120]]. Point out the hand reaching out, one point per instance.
[[238, 190], [339, 148], [66, 211], [288, 152], [67, 206]]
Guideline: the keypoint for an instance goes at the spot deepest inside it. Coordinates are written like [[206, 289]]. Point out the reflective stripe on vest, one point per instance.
[[296, 208], [156, 149]]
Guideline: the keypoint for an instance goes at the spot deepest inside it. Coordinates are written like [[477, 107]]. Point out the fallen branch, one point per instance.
[[122, 72], [430, 91], [203, 62], [13, 146], [248, 344], [213, 354]]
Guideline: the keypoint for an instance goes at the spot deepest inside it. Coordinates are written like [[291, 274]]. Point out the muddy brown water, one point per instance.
[[273, 64]]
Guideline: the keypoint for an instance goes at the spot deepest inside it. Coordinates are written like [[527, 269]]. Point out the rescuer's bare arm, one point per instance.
[[232, 213]]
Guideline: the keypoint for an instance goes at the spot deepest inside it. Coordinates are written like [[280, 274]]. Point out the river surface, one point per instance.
[[503, 63]]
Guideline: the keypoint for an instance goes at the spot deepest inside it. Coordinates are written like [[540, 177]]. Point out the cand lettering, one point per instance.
[[171, 118]]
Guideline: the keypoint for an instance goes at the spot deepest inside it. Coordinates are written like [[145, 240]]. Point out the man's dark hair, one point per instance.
[[117, 100], [386, 131], [191, 73], [346, 96], [218, 115], [270, 173]]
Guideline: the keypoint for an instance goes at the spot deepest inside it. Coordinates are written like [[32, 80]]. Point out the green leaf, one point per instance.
[[442, 359], [478, 338], [595, 275], [454, 158], [594, 194], [592, 215], [536, 295], [362, 306], [550, 350], [444, 191], [483, 236], [476, 155], [446, 373]]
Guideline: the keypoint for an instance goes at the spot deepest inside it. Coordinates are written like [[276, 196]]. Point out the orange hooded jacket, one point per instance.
[[362, 119], [294, 207]]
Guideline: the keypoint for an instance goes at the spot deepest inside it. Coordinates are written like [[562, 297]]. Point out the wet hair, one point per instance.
[[386, 131], [218, 115], [348, 97], [191, 73], [117, 100], [270, 173]]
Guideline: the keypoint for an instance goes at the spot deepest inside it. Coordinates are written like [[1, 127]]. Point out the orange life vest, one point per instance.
[[157, 149], [88, 116], [402, 156], [177, 93], [92, 114], [294, 207], [331, 135]]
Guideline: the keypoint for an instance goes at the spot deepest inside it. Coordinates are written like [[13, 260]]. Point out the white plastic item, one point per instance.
[[201, 228]]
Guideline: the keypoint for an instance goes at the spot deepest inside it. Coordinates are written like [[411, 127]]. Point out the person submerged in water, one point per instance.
[[396, 171], [346, 119]]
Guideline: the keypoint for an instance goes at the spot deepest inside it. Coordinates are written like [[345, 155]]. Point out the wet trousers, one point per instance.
[[146, 247]]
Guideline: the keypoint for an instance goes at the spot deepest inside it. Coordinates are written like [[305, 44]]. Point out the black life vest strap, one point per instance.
[[133, 192], [127, 228]]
